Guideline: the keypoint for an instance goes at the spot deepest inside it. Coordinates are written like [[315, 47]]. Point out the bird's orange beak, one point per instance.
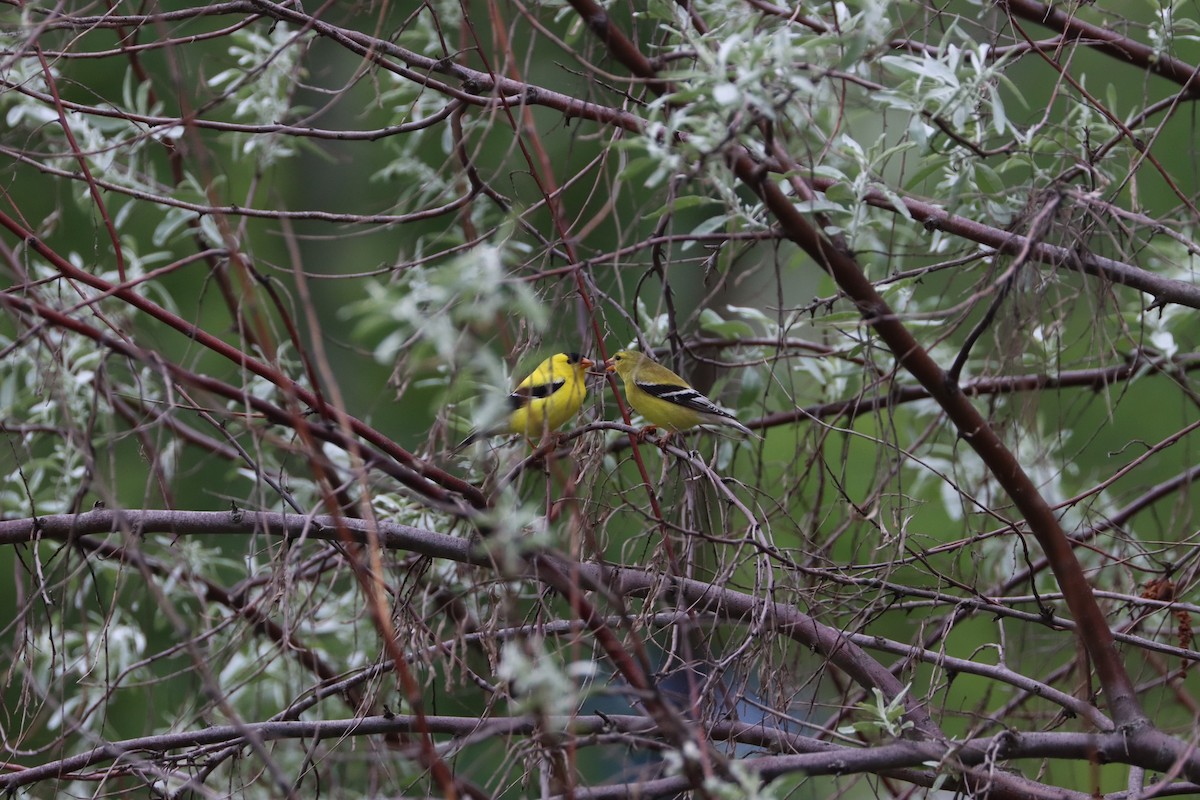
[[609, 366], [586, 362]]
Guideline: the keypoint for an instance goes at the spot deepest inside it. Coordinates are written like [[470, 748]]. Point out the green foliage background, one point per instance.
[[416, 321]]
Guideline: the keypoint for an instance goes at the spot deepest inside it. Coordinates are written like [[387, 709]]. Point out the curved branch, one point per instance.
[[1109, 42], [1153, 751]]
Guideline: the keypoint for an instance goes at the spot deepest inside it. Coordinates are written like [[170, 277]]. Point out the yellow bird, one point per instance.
[[547, 398], [665, 399]]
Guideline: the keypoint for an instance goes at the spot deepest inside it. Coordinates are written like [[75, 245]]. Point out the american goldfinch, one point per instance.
[[663, 398], [548, 397]]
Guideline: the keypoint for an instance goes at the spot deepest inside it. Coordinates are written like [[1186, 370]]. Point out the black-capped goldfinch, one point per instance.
[[547, 398], [663, 398]]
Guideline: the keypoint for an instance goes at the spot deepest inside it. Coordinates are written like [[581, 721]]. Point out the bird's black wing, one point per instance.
[[527, 394], [684, 396]]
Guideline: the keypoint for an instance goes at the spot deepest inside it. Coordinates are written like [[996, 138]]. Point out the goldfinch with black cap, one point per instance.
[[545, 400]]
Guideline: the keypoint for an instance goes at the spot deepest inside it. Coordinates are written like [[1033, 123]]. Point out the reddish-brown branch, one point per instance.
[[412, 472], [1093, 379], [1126, 50], [912, 357], [81, 160], [425, 474], [632, 582], [974, 429], [494, 89]]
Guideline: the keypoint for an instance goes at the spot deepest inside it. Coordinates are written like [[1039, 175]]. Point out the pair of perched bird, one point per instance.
[[554, 392]]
